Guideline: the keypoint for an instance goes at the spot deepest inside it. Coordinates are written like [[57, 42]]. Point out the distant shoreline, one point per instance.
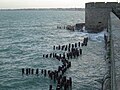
[[41, 9]]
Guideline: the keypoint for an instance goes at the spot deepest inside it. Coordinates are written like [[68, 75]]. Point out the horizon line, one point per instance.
[[40, 8]]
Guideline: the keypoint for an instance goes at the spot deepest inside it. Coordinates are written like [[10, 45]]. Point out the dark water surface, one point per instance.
[[26, 35]]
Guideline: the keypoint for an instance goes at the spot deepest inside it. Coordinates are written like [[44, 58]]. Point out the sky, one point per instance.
[[12, 4]]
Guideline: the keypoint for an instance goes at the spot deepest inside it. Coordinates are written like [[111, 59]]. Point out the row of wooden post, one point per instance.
[[58, 76], [68, 47], [75, 52]]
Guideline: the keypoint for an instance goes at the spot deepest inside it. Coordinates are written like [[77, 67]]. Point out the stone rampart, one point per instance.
[[97, 15]]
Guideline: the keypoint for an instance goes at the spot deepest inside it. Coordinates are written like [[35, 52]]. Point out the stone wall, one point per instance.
[[115, 30], [97, 15]]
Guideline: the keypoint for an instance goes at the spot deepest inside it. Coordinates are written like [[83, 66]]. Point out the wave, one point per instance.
[[98, 37]]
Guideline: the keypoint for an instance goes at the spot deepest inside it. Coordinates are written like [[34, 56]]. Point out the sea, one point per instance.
[[25, 35]]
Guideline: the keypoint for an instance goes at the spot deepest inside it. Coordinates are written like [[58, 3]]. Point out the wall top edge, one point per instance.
[[102, 2]]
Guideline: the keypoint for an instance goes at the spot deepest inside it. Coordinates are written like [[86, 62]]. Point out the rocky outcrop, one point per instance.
[[70, 27], [78, 26]]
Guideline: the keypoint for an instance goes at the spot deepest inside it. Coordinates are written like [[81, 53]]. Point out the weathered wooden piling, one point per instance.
[[65, 86], [48, 72], [69, 49], [50, 87], [32, 72], [80, 50], [77, 52], [86, 39], [75, 44], [27, 72], [59, 47], [53, 47], [69, 45], [47, 56], [70, 81], [66, 48], [73, 54], [63, 55], [42, 71], [23, 71], [60, 55], [63, 46], [50, 55], [59, 68], [82, 44], [50, 75], [43, 55], [37, 71], [45, 72], [72, 45], [53, 55], [70, 55], [79, 44]]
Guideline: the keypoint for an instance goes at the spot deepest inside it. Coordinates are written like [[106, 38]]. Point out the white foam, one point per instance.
[[99, 37]]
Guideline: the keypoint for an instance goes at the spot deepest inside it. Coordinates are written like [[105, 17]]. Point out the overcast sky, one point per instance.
[[47, 3]]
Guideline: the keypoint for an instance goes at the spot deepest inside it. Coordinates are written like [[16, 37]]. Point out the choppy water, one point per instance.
[[26, 35]]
